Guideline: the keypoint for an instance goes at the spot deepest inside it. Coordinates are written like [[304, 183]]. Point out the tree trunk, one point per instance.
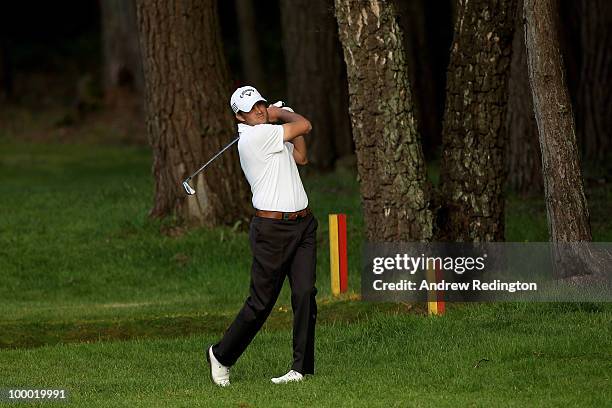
[[316, 77], [568, 215], [188, 115], [594, 113], [474, 137], [250, 50], [523, 159], [390, 162], [122, 60]]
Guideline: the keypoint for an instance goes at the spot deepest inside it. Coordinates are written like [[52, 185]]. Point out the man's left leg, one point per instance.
[[302, 277]]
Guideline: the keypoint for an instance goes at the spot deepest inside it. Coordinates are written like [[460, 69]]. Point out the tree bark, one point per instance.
[[474, 137], [316, 77], [594, 113], [250, 50], [568, 215], [567, 211], [524, 167], [390, 162], [122, 60], [188, 115]]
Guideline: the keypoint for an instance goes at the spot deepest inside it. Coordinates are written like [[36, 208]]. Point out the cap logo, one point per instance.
[[247, 92]]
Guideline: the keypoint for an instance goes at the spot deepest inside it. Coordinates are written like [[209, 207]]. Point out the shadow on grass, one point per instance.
[[16, 335]]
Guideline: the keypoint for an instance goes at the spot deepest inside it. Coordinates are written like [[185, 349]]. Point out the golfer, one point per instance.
[[282, 234]]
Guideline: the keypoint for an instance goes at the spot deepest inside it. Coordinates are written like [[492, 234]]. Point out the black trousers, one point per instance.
[[280, 248]]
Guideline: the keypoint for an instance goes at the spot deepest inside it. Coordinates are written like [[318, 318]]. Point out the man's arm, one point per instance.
[[294, 124], [299, 150]]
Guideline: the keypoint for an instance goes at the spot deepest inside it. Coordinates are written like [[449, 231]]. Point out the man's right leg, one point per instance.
[[267, 277]]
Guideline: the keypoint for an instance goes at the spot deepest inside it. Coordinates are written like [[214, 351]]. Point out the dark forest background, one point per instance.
[[52, 55], [75, 65]]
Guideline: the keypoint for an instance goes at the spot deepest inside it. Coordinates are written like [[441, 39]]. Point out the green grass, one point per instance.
[[505, 355], [75, 239], [101, 300]]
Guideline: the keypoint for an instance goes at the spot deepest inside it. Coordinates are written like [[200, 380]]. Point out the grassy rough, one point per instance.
[[80, 262]]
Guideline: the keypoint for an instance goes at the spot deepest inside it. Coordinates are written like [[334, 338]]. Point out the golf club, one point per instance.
[[188, 189]]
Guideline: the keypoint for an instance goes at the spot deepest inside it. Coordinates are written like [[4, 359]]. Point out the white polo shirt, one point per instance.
[[268, 164]]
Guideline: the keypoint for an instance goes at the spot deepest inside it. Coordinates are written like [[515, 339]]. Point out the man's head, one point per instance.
[[249, 106]]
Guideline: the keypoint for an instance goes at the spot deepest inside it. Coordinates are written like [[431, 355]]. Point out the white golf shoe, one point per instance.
[[291, 376], [218, 372]]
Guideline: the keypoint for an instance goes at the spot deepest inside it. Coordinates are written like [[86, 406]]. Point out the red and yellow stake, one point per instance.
[[435, 298], [338, 260]]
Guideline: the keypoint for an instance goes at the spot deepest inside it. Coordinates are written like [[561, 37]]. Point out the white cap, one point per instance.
[[244, 98]]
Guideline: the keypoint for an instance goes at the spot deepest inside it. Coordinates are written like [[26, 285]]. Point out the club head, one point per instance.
[[188, 189]]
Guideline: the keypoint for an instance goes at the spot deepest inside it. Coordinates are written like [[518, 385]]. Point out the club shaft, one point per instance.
[[214, 157]]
